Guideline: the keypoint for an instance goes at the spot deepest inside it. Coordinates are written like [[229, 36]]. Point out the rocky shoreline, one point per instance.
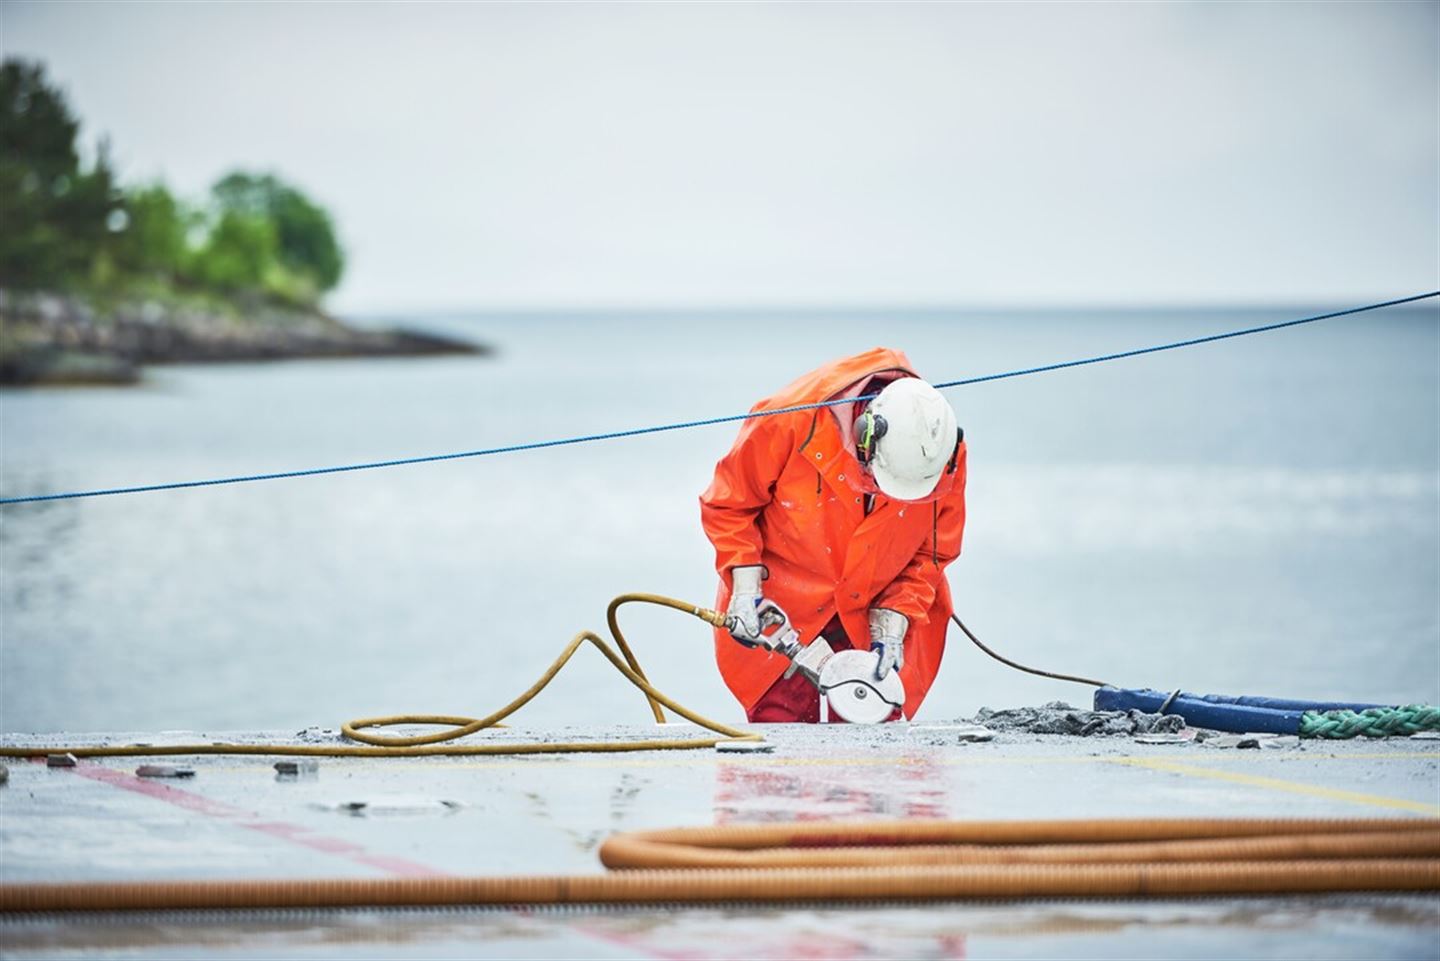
[[54, 339]]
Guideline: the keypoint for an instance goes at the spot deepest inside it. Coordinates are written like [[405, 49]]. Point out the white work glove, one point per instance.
[[745, 596], [887, 636]]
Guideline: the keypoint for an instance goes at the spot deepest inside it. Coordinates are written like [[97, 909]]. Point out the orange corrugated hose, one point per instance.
[[918, 860], [1133, 841]]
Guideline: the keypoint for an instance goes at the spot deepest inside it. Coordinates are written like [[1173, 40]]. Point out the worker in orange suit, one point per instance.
[[846, 517]]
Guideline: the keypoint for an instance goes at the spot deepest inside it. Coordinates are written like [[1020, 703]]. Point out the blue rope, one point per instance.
[[685, 425]]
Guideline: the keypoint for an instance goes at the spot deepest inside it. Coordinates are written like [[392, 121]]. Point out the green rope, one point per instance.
[[1373, 722]]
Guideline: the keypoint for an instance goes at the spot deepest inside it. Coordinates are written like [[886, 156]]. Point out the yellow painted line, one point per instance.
[[710, 759], [1279, 784], [1309, 756], [702, 759]]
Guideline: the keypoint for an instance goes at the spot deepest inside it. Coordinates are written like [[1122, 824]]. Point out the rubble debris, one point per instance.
[[1246, 742], [163, 770], [973, 733], [393, 805], [1057, 717], [293, 769]]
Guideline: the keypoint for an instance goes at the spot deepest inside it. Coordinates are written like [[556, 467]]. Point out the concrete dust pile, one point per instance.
[[1057, 717]]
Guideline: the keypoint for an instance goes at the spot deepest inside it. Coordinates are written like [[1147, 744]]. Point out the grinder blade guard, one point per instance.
[[846, 679]]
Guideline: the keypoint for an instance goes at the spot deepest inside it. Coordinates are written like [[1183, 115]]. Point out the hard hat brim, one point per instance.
[[904, 489]]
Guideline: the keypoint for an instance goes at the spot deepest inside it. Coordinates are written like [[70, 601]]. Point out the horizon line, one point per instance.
[[1162, 306]]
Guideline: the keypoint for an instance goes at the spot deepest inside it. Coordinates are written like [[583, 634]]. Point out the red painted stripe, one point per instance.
[[249, 820], [302, 836]]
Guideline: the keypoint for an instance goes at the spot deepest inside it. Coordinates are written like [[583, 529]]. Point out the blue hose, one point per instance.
[[1219, 712]]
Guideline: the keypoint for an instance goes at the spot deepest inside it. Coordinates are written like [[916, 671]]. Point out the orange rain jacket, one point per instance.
[[789, 495]]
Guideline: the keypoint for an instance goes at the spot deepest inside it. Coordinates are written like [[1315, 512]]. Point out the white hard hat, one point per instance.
[[918, 442]]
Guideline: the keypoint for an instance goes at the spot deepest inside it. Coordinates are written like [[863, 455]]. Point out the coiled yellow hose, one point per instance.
[[430, 745]]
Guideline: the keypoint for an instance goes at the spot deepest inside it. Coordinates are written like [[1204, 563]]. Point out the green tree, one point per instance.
[[55, 217], [308, 247], [66, 227], [238, 255], [155, 240]]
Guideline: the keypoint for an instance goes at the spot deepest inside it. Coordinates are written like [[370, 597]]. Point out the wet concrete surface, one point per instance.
[[544, 814]]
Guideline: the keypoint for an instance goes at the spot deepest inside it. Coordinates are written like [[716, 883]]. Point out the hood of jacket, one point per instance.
[[849, 376]]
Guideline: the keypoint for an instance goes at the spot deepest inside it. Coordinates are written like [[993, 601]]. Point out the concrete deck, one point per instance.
[[547, 814]]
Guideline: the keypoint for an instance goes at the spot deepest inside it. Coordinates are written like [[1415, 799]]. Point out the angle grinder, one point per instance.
[[846, 679]]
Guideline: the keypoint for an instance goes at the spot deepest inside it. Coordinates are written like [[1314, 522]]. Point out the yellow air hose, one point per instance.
[[430, 745]]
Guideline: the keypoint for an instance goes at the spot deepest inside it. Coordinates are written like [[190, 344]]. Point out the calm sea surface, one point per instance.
[[1260, 515]]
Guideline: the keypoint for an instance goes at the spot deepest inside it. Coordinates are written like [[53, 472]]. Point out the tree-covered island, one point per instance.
[[98, 277]]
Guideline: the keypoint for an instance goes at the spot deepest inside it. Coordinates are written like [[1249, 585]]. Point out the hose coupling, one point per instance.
[[717, 618]]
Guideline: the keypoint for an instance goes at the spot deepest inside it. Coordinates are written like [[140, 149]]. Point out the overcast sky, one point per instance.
[[857, 154]]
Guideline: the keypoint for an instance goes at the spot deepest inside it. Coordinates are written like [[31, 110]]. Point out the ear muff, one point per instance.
[[955, 454], [868, 431]]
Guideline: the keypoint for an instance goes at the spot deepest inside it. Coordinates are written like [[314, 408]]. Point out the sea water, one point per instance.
[[1259, 515]]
